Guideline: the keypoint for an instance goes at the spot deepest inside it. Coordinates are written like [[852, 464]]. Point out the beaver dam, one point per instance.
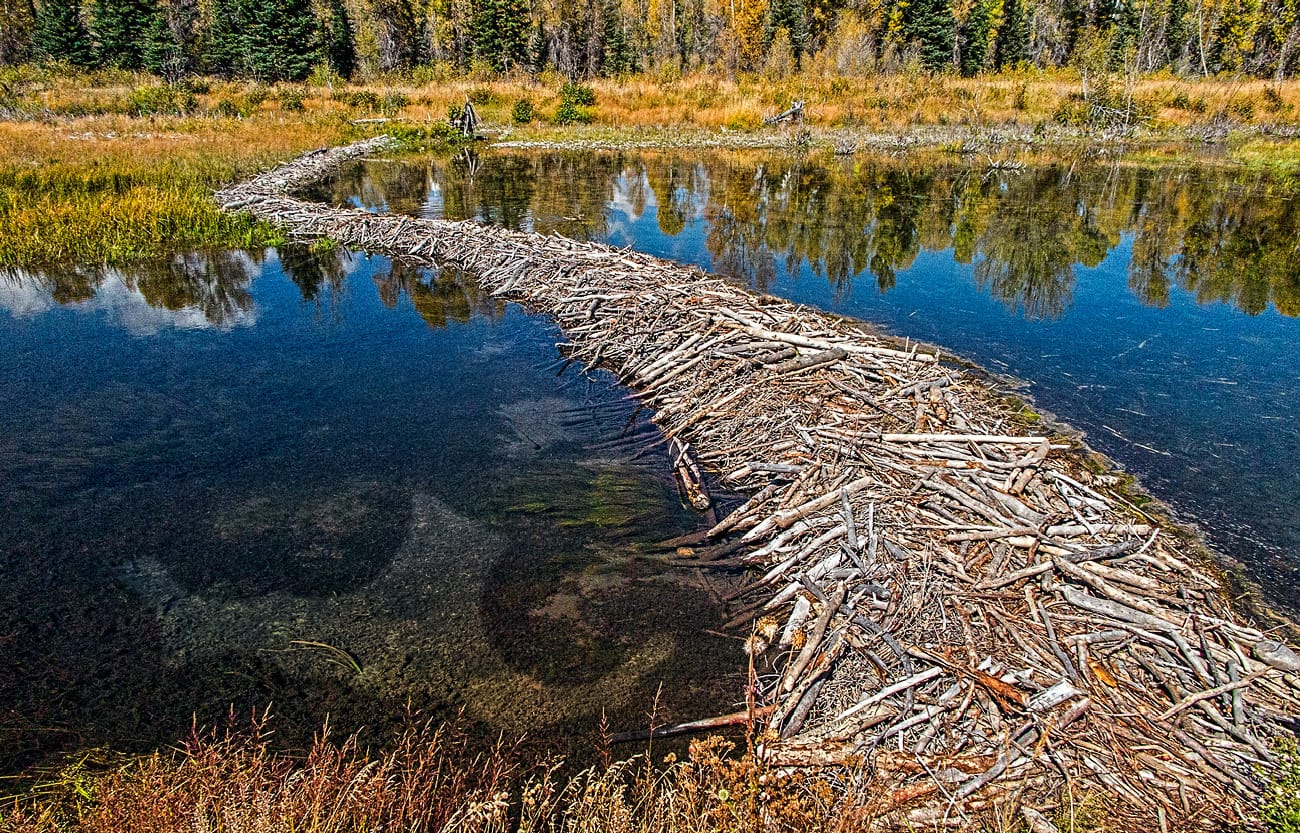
[[957, 611]]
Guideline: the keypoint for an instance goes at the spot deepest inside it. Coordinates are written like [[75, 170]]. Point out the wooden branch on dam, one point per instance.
[[952, 602]]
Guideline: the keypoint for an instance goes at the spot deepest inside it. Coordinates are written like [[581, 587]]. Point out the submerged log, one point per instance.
[[947, 588]]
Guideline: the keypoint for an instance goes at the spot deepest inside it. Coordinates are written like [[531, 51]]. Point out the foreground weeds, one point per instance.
[[429, 779]]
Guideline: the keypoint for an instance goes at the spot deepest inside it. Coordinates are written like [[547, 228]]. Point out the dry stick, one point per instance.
[[815, 639], [1211, 693]]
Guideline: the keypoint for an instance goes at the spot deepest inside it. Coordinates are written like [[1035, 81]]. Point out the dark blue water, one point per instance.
[[1152, 308], [330, 484]]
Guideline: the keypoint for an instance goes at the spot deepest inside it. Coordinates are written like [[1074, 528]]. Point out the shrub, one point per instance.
[[431, 136], [438, 72], [1243, 109], [160, 100], [480, 96], [229, 108], [745, 120], [1273, 101], [257, 94], [291, 99], [578, 95], [455, 112], [522, 112], [570, 113], [392, 102], [322, 75], [360, 99]]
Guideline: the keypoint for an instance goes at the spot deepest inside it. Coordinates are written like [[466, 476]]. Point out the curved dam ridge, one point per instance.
[[961, 609]]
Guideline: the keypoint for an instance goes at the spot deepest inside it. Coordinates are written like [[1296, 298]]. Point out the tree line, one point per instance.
[[273, 40]]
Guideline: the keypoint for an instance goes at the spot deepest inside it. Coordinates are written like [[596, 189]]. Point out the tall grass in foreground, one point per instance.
[[430, 779]]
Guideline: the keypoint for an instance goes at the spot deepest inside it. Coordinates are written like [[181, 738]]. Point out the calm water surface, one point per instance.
[[1154, 308], [332, 484]]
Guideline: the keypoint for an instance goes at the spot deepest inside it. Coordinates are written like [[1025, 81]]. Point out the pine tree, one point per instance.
[[791, 16], [619, 57], [120, 28], [222, 47], [501, 30], [1178, 31], [973, 39], [60, 35], [340, 50], [1012, 45], [1124, 32], [279, 39], [162, 53], [929, 24]]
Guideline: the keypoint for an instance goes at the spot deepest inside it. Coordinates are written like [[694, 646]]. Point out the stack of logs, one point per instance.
[[954, 603]]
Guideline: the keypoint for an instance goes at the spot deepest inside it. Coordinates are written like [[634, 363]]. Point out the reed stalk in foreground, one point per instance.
[[430, 778]]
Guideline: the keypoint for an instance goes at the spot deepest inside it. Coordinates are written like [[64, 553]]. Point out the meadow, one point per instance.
[[109, 167]]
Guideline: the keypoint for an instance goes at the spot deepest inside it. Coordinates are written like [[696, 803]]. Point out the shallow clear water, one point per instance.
[[1154, 308], [334, 485]]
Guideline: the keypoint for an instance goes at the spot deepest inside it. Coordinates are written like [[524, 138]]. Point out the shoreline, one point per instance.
[[895, 547]]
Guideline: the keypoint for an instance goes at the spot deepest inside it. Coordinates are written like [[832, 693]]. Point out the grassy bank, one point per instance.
[[114, 167], [114, 188]]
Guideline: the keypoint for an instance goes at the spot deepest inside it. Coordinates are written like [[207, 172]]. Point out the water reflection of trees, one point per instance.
[[439, 297], [215, 284], [218, 284], [1220, 235]]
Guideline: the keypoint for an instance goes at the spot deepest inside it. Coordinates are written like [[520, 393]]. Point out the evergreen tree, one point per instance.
[[1124, 32], [60, 35], [278, 39], [120, 28], [501, 31], [222, 48], [340, 50], [791, 16], [929, 24], [1012, 45], [619, 56], [973, 39], [1178, 32], [162, 53]]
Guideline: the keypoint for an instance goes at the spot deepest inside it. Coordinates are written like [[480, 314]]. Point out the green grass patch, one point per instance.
[[140, 223], [120, 189]]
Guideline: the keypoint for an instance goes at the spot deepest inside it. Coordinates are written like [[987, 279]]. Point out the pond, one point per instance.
[[335, 486], [1152, 306]]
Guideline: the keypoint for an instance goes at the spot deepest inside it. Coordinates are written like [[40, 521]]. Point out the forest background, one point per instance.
[[289, 40]]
